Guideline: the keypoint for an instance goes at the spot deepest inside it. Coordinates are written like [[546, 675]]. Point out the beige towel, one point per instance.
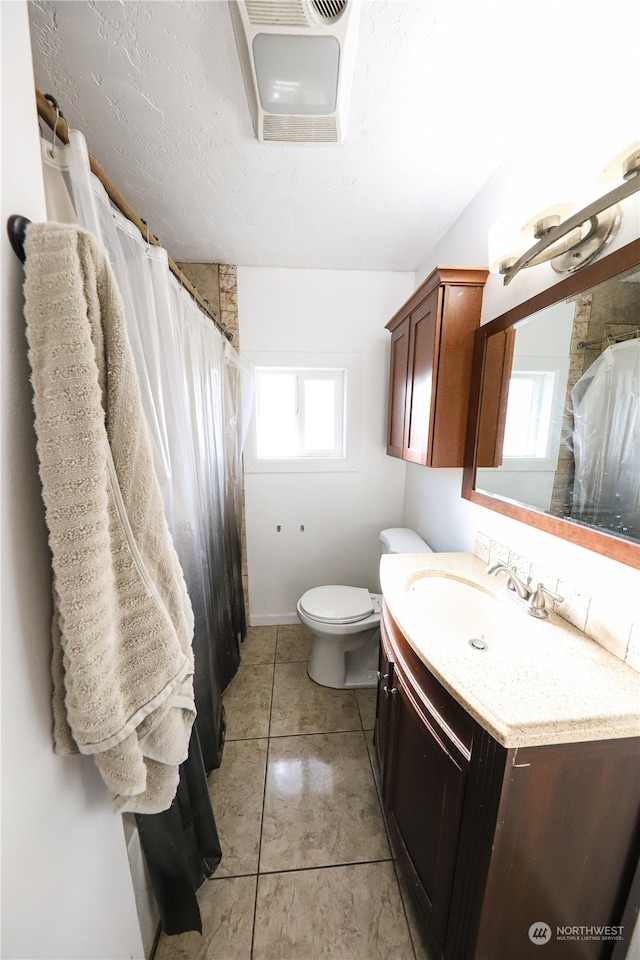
[[122, 660]]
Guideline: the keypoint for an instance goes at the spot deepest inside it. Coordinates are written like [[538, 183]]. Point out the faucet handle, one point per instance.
[[550, 593], [537, 602]]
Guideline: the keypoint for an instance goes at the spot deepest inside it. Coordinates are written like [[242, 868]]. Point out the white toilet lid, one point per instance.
[[337, 604]]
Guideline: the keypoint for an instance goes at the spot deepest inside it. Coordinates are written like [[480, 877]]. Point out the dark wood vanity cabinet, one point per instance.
[[492, 840], [430, 367]]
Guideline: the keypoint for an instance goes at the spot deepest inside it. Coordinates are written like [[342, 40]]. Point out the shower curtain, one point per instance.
[[606, 440], [196, 396]]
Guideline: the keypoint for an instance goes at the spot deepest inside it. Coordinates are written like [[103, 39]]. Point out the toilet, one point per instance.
[[345, 622]]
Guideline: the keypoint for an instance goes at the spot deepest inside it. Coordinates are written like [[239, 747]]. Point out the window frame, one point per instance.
[[338, 366], [542, 390], [558, 369]]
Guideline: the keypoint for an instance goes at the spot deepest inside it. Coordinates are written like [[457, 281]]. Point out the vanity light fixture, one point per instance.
[[572, 243]]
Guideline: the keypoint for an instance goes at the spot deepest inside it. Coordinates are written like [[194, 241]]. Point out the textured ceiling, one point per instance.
[[157, 90]]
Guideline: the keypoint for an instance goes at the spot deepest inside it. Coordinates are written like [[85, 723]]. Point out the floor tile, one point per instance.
[[343, 913], [302, 706], [321, 806], [294, 642], [237, 792], [227, 908], [247, 702], [367, 706], [259, 645]]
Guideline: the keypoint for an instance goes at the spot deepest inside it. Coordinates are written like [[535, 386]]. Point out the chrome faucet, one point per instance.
[[533, 601], [513, 580]]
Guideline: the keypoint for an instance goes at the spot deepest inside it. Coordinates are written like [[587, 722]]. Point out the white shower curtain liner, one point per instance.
[[196, 393], [606, 404]]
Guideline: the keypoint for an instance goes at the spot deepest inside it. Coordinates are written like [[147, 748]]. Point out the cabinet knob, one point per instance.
[[382, 676], [389, 690]]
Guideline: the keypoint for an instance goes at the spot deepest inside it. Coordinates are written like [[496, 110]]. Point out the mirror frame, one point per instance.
[[625, 551]]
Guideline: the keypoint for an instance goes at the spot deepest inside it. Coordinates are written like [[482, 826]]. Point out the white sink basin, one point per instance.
[[462, 611]]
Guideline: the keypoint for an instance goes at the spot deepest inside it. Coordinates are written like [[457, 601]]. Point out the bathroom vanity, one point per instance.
[[509, 773]]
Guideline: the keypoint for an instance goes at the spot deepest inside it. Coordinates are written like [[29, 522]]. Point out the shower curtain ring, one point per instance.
[[59, 116], [146, 227], [55, 127]]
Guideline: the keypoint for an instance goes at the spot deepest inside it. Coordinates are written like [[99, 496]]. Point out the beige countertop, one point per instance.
[[552, 685]]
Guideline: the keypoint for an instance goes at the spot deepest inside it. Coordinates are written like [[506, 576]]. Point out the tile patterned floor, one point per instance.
[[306, 872]]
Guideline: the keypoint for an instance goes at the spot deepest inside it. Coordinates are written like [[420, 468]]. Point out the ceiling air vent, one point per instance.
[[291, 13], [300, 129], [297, 59]]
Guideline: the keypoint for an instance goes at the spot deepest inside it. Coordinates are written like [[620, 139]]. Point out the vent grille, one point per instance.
[[287, 13], [329, 9], [300, 129], [293, 13]]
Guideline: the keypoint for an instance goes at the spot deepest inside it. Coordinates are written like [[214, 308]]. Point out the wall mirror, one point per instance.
[[554, 419]]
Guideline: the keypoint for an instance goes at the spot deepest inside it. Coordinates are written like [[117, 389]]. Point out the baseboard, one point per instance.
[[272, 620]]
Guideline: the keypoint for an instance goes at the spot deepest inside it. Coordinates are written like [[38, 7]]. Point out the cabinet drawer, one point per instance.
[[449, 718]]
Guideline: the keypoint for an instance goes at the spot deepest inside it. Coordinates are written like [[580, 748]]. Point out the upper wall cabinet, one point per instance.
[[430, 370]]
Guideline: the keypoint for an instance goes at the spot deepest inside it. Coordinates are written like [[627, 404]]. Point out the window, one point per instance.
[[528, 422], [306, 414], [299, 413]]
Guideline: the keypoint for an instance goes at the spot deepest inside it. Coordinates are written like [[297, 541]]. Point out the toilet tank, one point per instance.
[[403, 540]]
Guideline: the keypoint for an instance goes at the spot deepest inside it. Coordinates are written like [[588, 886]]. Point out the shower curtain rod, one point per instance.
[[615, 338], [54, 119]]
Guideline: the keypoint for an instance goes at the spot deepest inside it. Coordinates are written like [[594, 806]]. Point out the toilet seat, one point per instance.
[[337, 604]]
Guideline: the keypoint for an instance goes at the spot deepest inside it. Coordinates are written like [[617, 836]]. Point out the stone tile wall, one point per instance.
[[217, 283], [598, 619]]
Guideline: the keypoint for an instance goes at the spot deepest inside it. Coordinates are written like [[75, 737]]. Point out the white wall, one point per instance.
[[66, 885], [433, 504], [321, 311]]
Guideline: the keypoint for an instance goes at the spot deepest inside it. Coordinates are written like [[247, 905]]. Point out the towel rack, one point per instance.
[[610, 339], [16, 228]]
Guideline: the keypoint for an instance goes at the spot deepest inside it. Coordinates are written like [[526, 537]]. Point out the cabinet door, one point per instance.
[[423, 804], [398, 389], [423, 340], [381, 730], [498, 363], [460, 310]]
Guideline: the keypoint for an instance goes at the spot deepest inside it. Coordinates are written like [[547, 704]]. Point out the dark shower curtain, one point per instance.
[[196, 397], [181, 846]]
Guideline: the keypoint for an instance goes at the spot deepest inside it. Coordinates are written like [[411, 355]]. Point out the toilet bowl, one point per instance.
[[345, 622]]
